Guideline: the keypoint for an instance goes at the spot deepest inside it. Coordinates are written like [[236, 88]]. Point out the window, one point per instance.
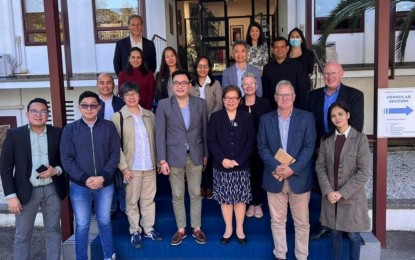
[[34, 22], [322, 9], [111, 18], [402, 11]]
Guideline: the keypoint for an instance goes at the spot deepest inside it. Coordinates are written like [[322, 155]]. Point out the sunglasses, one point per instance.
[[86, 106]]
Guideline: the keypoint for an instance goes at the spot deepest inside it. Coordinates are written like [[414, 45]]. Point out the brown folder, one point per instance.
[[283, 157]]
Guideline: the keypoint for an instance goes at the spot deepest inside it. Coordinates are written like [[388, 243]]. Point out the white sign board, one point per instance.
[[396, 112]]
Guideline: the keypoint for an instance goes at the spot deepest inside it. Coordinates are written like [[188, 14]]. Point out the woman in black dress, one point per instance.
[[256, 107], [231, 140]]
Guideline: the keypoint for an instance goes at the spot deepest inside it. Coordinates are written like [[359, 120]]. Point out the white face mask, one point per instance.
[[295, 42]]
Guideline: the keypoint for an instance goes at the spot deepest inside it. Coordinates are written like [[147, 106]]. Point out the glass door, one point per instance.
[[204, 32], [214, 38]]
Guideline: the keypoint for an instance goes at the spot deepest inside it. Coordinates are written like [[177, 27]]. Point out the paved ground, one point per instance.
[[400, 245]]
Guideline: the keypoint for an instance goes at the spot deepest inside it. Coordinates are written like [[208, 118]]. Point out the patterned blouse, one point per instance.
[[258, 56]]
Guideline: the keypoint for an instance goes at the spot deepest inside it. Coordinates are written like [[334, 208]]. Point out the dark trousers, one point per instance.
[[207, 175], [337, 244], [257, 170]]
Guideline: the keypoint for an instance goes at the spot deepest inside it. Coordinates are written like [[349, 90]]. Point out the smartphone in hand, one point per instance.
[[41, 169]]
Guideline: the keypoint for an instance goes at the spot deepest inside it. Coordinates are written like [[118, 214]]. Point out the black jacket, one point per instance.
[[117, 104], [122, 51], [290, 70], [17, 155], [351, 96]]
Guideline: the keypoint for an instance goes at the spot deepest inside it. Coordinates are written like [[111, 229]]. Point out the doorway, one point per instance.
[[210, 27]]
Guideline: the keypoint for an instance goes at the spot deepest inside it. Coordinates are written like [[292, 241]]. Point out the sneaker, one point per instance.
[[153, 234], [199, 236], [136, 240], [113, 257], [178, 238], [258, 212], [250, 212]]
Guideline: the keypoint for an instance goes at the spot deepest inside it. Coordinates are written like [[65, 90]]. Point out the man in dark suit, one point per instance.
[[27, 186], [181, 125], [293, 130], [136, 39], [285, 68], [319, 101]]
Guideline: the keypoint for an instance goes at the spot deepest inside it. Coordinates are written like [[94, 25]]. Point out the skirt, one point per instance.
[[231, 187]]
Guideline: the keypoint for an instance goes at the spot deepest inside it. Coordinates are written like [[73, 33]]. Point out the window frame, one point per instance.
[[141, 7], [28, 32], [322, 19], [398, 16]]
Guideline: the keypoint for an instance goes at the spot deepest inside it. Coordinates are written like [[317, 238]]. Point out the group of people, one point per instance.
[[224, 141]]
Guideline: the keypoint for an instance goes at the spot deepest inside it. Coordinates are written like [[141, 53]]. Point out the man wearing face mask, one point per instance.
[[284, 68], [299, 51]]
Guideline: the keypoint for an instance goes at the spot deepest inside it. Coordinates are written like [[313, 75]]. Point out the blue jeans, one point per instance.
[[81, 198], [337, 244]]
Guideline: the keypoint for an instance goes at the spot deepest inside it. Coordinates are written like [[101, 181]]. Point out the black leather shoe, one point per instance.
[[242, 241], [319, 233], [225, 240]]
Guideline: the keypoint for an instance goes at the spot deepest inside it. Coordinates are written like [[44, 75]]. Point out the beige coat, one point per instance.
[[354, 172], [213, 96], [127, 156]]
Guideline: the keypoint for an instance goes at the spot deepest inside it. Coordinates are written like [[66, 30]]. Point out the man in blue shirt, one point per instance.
[[319, 101]]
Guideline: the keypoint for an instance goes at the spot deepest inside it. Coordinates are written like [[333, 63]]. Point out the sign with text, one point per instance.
[[396, 112]]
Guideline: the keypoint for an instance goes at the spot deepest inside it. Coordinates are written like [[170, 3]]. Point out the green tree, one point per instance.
[[354, 10]]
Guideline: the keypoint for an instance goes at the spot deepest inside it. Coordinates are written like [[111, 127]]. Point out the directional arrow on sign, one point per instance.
[[403, 110]]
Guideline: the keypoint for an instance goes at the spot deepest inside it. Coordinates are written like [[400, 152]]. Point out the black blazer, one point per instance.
[[260, 108], [16, 154], [122, 51], [232, 141], [290, 70], [163, 92], [351, 96], [117, 104]]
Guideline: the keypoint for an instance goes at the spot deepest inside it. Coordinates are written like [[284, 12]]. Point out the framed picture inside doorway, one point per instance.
[[237, 33]]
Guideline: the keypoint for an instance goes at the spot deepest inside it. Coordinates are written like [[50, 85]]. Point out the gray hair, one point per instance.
[[249, 75], [284, 83]]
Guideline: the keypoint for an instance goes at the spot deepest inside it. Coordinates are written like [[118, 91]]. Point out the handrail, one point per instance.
[[158, 36], [318, 61], [160, 43]]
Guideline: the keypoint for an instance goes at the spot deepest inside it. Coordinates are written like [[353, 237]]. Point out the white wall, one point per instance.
[[89, 57]]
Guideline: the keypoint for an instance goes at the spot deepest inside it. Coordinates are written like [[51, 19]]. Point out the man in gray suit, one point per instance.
[[181, 124]]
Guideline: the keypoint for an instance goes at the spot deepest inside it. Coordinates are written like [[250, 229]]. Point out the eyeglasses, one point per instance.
[[227, 99], [128, 95], [86, 106], [183, 83], [35, 112], [284, 95], [203, 66]]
